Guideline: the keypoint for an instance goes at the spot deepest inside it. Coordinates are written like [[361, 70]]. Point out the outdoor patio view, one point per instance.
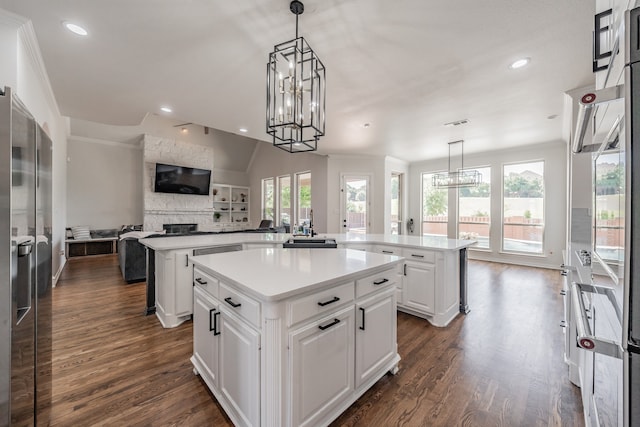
[[523, 208]]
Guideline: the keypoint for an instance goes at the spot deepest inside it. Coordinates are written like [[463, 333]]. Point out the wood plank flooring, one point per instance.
[[500, 365]]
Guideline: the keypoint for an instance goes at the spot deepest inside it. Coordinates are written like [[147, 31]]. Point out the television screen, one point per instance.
[[183, 180]]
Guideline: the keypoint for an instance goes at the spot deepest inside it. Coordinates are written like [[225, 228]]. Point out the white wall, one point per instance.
[[102, 183], [122, 202], [555, 163], [270, 162], [357, 165]]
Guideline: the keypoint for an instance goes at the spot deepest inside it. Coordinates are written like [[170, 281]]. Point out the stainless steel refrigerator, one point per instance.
[[25, 266], [631, 304]]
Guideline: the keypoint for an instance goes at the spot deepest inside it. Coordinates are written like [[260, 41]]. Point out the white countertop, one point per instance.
[[283, 273], [204, 240]]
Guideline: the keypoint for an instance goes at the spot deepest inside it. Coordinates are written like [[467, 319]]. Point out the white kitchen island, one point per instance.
[[292, 337], [432, 285]]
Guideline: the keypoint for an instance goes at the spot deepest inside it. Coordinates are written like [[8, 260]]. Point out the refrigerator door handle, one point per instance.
[[25, 249]]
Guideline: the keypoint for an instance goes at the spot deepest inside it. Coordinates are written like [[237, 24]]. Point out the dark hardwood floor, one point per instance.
[[500, 365]]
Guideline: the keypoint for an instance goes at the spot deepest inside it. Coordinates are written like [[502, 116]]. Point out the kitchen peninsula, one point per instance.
[[432, 282], [292, 337]]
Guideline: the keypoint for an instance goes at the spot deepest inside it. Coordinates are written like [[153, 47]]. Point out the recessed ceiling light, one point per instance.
[[366, 125], [75, 28], [244, 130], [166, 109], [519, 63], [551, 117]]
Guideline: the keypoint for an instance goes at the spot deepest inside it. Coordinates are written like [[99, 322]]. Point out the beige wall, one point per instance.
[[104, 184], [271, 162]]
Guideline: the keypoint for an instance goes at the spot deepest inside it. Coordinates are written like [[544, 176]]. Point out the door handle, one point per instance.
[[215, 323], [229, 301], [212, 324], [362, 311], [331, 301], [323, 327]]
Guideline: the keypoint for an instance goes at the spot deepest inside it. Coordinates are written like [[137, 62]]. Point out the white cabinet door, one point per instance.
[[419, 286], [375, 334], [183, 271], [239, 377], [205, 336], [322, 363]]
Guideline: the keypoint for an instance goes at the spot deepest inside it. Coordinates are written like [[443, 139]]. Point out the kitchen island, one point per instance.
[[432, 285], [292, 337]]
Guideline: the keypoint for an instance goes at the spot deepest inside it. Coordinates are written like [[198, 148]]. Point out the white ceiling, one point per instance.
[[404, 66]]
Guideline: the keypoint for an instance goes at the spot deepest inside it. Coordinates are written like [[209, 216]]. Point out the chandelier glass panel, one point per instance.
[[295, 94]]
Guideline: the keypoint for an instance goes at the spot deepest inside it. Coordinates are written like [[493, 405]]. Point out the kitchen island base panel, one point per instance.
[[439, 320], [391, 368]]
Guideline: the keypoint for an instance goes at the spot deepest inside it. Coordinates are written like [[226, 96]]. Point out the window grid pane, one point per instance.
[[523, 208], [267, 198], [303, 185], [434, 208], [396, 203], [284, 200], [474, 208]]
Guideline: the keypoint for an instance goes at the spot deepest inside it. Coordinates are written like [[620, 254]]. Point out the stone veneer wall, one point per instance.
[[165, 208]]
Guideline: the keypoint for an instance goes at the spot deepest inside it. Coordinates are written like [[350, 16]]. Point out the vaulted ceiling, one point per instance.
[[405, 67]]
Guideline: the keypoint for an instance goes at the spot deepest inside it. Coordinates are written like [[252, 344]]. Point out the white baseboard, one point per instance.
[[59, 272]]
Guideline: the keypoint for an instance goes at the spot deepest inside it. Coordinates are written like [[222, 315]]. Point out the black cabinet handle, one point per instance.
[[387, 252], [199, 280], [231, 303], [215, 323], [331, 301], [362, 311], [335, 322], [417, 256], [405, 269], [380, 282], [212, 321], [186, 260]]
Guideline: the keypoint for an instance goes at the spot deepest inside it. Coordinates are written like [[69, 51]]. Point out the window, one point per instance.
[[303, 186], [523, 208], [434, 208], [284, 200], [396, 202], [474, 207], [267, 199]]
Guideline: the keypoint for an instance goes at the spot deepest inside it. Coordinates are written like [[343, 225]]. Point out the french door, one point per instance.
[[355, 203]]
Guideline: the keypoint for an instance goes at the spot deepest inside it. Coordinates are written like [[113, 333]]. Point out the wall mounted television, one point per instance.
[[182, 180]]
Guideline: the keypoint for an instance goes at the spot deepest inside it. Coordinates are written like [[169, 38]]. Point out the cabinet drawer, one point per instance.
[[244, 306], [205, 282], [376, 282], [319, 303], [419, 255], [389, 250]]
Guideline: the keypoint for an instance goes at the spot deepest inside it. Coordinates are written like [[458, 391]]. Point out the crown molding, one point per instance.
[[85, 139], [28, 39], [12, 19]]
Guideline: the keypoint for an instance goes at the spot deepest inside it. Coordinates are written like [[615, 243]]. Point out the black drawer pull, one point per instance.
[[199, 280], [417, 256], [380, 282], [362, 311], [231, 303], [212, 321], [331, 301], [387, 252], [215, 323], [335, 322]]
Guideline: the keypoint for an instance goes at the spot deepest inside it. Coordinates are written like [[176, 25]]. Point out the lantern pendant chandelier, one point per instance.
[[460, 178], [295, 93]]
